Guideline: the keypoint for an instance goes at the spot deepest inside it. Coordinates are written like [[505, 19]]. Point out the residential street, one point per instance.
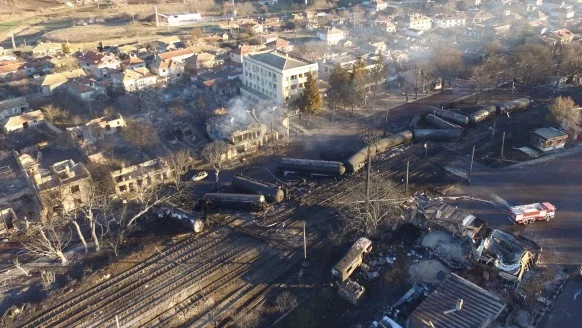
[[558, 181]]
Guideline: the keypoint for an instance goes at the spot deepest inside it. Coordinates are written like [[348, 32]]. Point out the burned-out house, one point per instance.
[[247, 130], [131, 178], [59, 187]]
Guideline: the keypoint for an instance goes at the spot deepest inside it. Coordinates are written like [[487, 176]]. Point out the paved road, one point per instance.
[[568, 309], [558, 181]]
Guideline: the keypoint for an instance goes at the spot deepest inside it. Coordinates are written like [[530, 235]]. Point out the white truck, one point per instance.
[[527, 214]]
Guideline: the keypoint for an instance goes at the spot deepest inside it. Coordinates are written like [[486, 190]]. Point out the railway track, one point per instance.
[[80, 302]]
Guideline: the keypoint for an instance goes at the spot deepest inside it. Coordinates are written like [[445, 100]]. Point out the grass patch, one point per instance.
[[7, 26]]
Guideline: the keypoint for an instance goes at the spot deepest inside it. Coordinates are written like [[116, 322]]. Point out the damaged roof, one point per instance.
[[479, 307]]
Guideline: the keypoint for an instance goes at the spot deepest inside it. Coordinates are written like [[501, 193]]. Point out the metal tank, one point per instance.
[[439, 123], [233, 201], [437, 134], [357, 161], [456, 118], [246, 185], [483, 114], [311, 167], [190, 221]]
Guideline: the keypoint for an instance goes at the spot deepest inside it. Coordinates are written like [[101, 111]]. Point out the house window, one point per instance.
[[108, 127], [123, 188], [75, 189], [131, 188]]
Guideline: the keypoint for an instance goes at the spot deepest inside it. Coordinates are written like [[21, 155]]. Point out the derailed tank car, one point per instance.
[[246, 185], [213, 201], [456, 118], [311, 167], [513, 105], [357, 161], [483, 114], [190, 221], [437, 134], [439, 123]]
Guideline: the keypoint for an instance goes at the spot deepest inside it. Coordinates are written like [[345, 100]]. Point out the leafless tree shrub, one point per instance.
[[363, 218], [563, 113], [215, 153], [247, 320], [140, 134], [48, 240], [53, 113], [16, 262], [47, 279], [285, 302]]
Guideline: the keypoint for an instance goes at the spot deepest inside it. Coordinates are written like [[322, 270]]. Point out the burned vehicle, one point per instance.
[[508, 253]]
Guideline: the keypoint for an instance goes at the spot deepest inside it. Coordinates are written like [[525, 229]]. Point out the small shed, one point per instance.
[[546, 139]]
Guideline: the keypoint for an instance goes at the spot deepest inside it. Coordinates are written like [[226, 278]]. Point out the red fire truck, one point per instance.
[[526, 214]]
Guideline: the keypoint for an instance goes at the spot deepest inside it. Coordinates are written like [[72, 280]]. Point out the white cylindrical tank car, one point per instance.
[[190, 221]]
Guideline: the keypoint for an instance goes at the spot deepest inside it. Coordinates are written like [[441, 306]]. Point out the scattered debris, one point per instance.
[[351, 291]]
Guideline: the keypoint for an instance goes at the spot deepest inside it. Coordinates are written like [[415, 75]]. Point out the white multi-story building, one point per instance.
[[446, 21], [178, 18], [331, 35], [275, 76], [419, 22]]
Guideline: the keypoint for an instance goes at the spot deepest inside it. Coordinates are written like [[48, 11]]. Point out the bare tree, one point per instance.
[[49, 240], [244, 9], [215, 153], [447, 63], [285, 301], [364, 218], [17, 265], [179, 163], [533, 63], [563, 112], [140, 134], [52, 113], [48, 279]]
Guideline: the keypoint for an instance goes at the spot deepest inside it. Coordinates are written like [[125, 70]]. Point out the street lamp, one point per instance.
[[425, 150]]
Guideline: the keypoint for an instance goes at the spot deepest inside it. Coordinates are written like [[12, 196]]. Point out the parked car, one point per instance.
[[200, 176]]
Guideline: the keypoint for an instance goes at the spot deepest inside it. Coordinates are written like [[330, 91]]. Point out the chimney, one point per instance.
[[459, 304]]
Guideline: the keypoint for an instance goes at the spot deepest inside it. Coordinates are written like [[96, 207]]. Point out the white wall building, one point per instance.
[[177, 18], [419, 22], [332, 36], [275, 76], [447, 21]]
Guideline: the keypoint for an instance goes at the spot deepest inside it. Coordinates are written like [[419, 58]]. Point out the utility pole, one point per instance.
[[387, 109], [304, 243], [13, 43], [502, 146], [368, 177], [471, 167], [407, 170], [157, 20], [493, 131], [272, 136]]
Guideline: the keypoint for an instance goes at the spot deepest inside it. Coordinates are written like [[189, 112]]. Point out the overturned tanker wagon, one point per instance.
[[249, 186], [439, 123], [456, 118], [510, 106], [311, 167], [486, 112], [437, 134], [187, 220], [213, 201], [357, 161]]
